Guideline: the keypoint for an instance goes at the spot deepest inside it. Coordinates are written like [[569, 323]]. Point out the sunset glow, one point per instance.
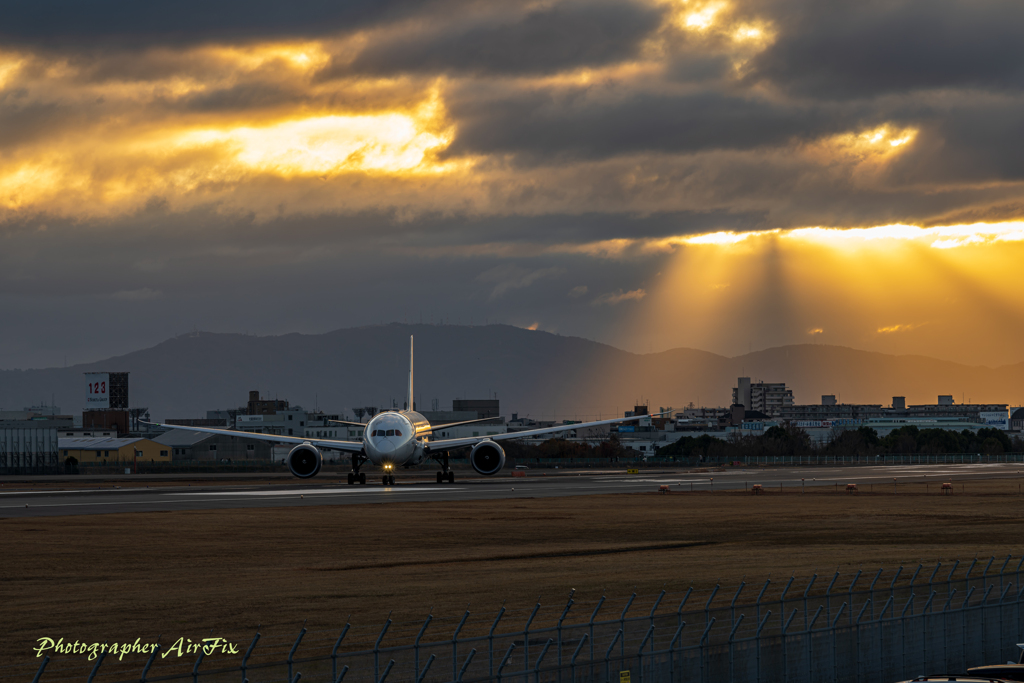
[[750, 168]]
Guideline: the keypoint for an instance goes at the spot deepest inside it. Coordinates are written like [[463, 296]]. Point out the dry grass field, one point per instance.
[[111, 576]]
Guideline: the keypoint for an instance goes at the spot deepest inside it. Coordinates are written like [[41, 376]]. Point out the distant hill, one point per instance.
[[536, 373]]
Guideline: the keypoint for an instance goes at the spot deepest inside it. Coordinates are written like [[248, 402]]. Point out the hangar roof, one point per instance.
[[96, 443]]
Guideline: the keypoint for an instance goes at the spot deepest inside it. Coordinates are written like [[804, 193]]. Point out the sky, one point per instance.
[[726, 175]]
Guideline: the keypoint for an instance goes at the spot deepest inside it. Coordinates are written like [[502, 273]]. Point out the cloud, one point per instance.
[[510, 277], [102, 22], [614, 298], [852, 49], [577, 291], [815, 331], [546, 39], [894, 329]]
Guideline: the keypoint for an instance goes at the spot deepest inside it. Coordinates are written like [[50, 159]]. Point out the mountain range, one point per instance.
[[533, 373]]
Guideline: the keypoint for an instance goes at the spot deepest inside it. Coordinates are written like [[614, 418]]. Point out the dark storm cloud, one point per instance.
[[860, 49], [541, 41], [580, 124], [57, 23]]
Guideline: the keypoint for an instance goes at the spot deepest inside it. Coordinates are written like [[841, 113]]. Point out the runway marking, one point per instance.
[[313, 492], [164, 501]]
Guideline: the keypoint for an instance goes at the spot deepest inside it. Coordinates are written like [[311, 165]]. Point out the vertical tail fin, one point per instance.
[[411, 404]]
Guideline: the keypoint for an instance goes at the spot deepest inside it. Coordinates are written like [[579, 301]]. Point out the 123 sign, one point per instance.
[[97, 393]]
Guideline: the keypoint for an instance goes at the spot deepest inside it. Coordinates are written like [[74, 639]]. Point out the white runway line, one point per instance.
[[314, 492]]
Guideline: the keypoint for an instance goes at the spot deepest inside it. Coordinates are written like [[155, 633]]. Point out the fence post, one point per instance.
[[462, 671], [892, 586], [504, 660], [931, 579], [881, 616], [199, 660], [292, 652], [622, 625], [640, 652], [576, 653], [149, 663], [608, 654], [757, 602], [912, 579], [455, 644], [849, 593], [490, 643], [420, 675], [591, 632], [785, 659], [757, 643], [248, 652], [732, 634], [416, 644], [871, 588], [42, 667], [924, 631], [703, 638], [903, 631], [568, 606], [828, 596], [707, 605], [963, 630], [376, 648], [732, 605], [1001, 598], [810, 642], [526, 643], [341, 676], [672, 653], [387, 670], [782, 600], [835, 658], [92, 675], [857, 644], [806, 591]]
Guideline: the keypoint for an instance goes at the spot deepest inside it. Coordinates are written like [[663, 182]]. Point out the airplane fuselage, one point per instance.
[[395, 438]]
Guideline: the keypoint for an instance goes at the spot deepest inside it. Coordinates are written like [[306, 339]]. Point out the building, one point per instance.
[[29, 446], [112, 451], [1017, 420], [831, 410], [767, 397], [464, 410], [189, 445]]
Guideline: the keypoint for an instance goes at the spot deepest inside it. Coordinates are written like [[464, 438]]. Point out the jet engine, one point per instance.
[[305, 461], [487, 457]]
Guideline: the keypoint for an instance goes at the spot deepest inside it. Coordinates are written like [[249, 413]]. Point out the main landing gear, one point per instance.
[[355, 476], [445, 474]]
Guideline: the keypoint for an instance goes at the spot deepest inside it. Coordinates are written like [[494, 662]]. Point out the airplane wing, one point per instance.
[[350, 424], [330, 444], [445, 444], [434, 428]]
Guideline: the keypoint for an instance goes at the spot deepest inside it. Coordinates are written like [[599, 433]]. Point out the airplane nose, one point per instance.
[[385, 447]]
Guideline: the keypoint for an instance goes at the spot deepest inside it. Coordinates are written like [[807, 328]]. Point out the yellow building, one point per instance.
[[113, 451]]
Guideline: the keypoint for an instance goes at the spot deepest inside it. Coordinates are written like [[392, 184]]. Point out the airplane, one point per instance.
[[395, 438]]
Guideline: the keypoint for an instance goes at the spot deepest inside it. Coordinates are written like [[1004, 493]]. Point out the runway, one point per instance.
[[81, 498]]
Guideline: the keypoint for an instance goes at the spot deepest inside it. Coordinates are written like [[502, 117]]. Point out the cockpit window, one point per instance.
[[378, 432], [391, 432], [398, 432]]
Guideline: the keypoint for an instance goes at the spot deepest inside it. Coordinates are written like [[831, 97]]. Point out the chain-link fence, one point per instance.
[[886, 625]]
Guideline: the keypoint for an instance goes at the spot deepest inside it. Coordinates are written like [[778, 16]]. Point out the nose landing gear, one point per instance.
[[355, 476], [389, 480], [446, 474]]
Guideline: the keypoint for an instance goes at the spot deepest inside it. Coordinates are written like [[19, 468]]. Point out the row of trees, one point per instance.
[[864, 441], [784, 441]]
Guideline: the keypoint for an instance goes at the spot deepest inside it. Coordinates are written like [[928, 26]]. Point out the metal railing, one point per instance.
[[885, 625]]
